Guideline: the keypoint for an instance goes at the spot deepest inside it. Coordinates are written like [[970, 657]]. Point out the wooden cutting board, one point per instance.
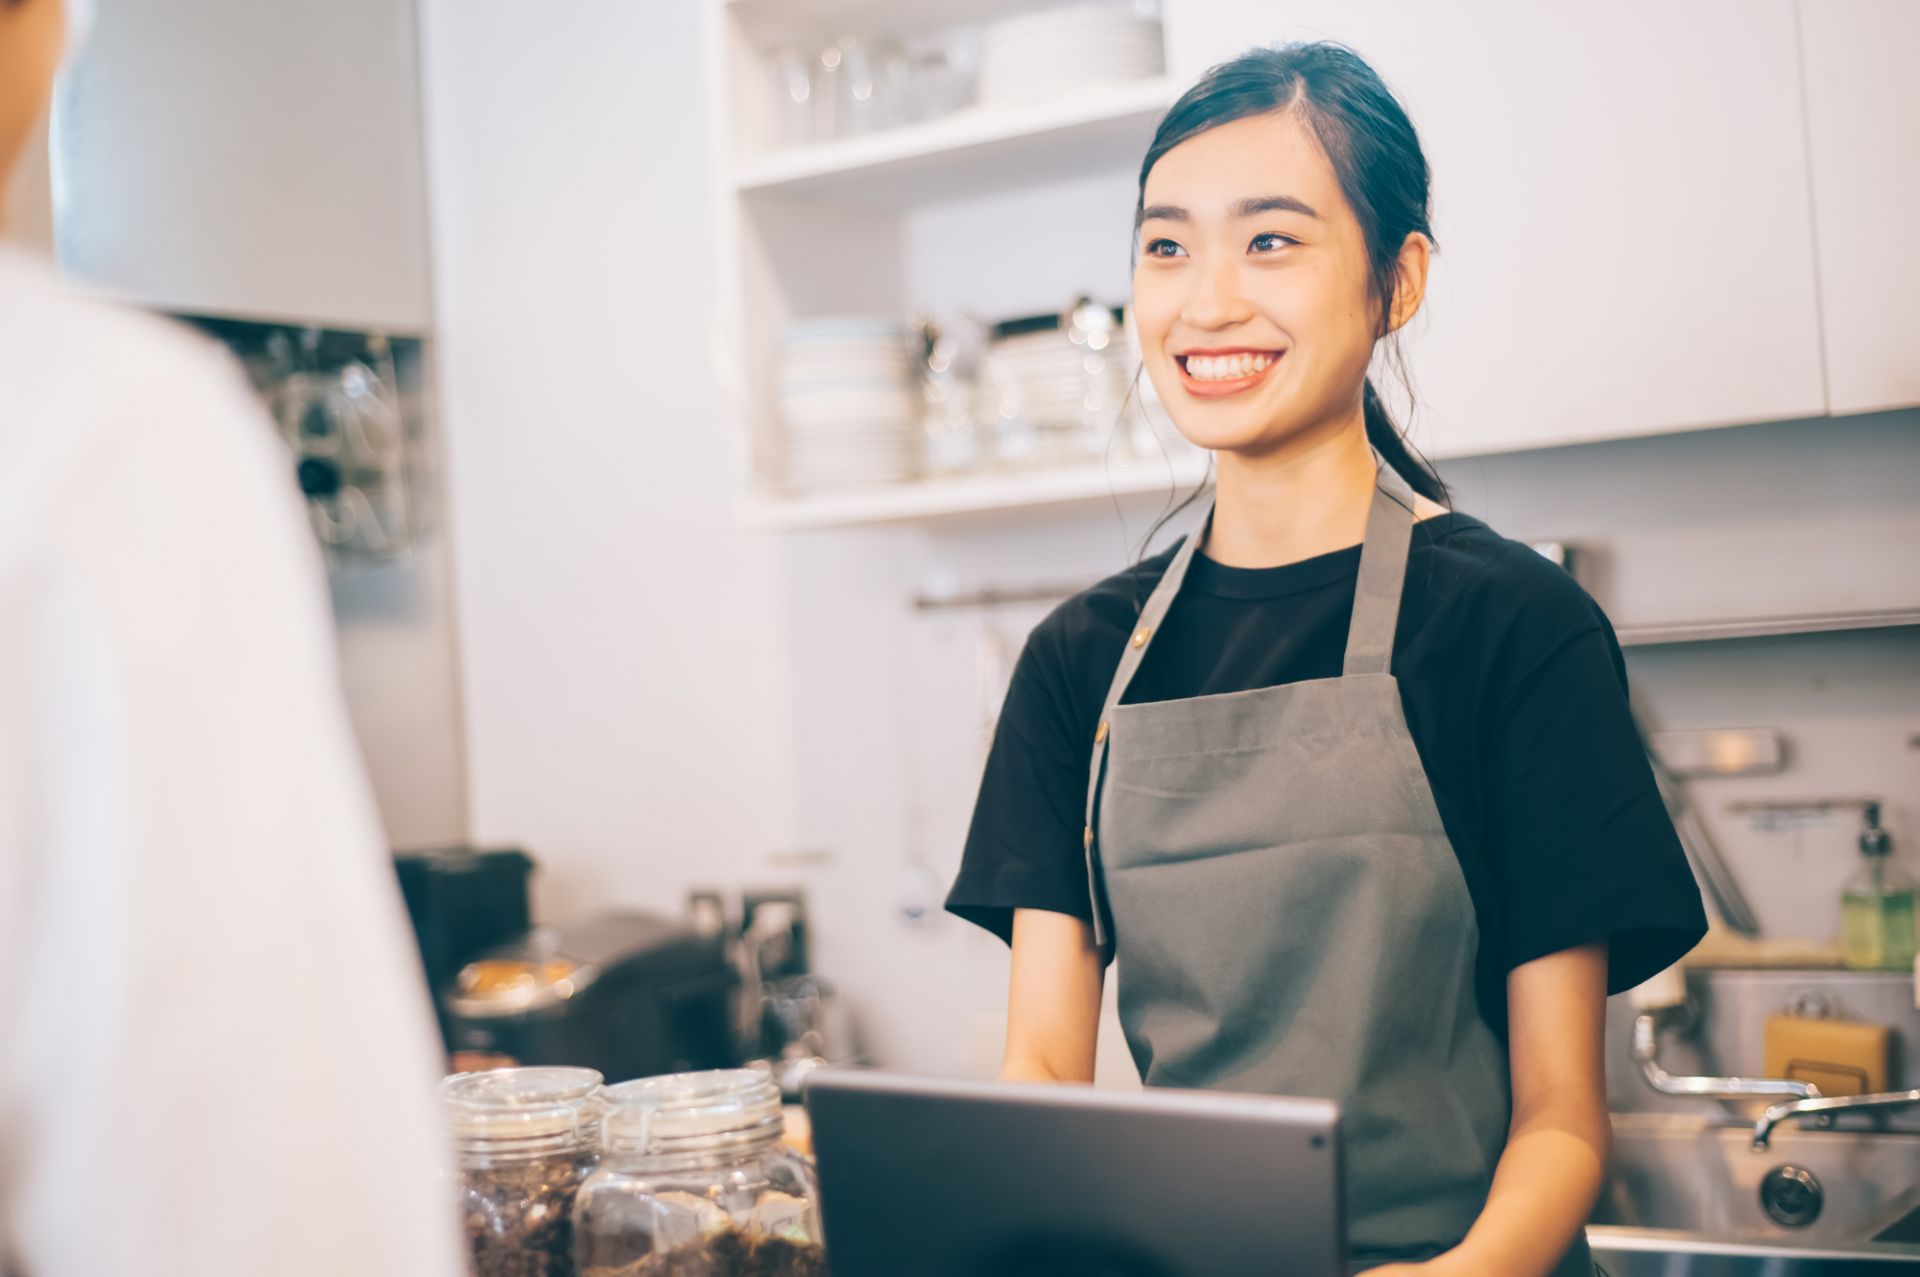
[[1841, 1057]]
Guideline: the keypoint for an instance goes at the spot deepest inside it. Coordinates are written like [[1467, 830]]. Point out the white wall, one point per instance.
[[399, 670], [623, 666], [656, 699]]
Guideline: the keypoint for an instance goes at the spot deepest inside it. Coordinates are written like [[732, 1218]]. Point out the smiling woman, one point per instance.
[[1340, 256], [1346, 782]]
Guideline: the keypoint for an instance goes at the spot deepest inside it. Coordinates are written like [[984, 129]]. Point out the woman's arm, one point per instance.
[[1558, 1144], [1053, 1004]]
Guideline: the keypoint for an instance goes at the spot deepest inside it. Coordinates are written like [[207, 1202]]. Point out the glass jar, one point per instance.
[[694, 1181], [524, 1140]]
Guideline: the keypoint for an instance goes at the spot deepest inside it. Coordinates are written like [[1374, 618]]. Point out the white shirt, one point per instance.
[[215, 1056]]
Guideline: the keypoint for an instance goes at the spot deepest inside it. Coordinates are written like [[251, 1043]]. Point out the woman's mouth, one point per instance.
[[1216, 375]]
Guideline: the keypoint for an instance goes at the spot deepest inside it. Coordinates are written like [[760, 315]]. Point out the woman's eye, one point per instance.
[[1164, 248], [1272, 241]]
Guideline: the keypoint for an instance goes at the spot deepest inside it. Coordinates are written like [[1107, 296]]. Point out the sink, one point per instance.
[[1689, 1196], [1686, 1173]]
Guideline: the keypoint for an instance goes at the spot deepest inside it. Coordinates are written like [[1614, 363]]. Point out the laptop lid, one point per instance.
[[943, 1178]]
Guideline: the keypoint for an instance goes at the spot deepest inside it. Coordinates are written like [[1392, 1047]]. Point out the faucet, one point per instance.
[[1646, 1042], [1662, 1000], [1826, 1107]]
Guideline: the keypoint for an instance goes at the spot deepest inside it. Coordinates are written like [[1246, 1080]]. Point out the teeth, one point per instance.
[[1226, 367]]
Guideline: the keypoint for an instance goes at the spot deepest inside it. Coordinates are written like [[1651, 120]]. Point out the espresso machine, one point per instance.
[[630, 994]]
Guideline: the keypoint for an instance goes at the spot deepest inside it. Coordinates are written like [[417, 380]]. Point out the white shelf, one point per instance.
[[1765, 627], [977, 494], [976, 151], [792, 20]]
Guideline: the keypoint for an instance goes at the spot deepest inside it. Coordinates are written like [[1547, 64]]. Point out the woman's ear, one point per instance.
[[1410, 279]]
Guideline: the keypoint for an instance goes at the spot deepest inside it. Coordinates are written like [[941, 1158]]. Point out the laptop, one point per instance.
[[923, 1177]]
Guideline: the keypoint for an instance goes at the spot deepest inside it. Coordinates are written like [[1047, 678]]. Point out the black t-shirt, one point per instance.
[[1515, 694]]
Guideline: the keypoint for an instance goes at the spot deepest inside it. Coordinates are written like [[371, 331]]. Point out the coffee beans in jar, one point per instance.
[[730, 1253], [525, 1139], [695, 1181]]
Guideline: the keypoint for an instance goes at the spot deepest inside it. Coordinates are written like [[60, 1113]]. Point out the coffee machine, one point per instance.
[[462, 900], [630, 994]]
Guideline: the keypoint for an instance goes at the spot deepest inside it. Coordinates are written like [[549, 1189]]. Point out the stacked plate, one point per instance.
[[851, 403], [1057, 399], [1057, 51]]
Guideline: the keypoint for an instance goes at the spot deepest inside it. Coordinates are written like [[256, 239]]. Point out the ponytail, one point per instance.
[[1394, 450]]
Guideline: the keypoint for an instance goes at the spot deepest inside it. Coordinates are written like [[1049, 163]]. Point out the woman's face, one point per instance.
[[1250, 290]]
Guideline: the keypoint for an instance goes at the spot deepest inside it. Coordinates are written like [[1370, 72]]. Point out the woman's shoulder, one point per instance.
[[1506, 585], [1093, 624], [1070, 655]]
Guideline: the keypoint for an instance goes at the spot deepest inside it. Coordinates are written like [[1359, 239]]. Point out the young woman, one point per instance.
[[1346, 782]]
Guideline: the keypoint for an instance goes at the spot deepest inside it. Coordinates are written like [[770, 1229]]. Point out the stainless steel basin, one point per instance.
[[1687, 1196], [1633, 1252]]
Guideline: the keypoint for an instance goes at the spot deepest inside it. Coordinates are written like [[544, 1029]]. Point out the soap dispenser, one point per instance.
[[1877, 923]]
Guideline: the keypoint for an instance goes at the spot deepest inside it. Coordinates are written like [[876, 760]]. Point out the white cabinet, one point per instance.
[[1863, 117], [229, 157], [1620, 203], [999, 208]]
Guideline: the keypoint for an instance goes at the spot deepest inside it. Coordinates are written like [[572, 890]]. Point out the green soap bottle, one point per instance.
[[1877, 920]]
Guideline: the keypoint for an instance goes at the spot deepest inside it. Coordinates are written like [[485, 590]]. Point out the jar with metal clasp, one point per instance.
[[695, 1181], [524, 1140]]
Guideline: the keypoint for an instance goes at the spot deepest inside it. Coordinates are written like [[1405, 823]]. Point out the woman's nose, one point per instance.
[[1216, 300]]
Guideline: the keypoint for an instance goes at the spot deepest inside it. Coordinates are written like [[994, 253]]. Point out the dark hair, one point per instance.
[[1376, 157]]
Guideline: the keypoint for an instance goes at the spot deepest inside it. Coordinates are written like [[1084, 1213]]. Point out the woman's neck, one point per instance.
[[1306, 499]]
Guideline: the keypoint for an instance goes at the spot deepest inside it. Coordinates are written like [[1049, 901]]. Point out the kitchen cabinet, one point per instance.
[[1863, 120], [830, 227], [226, 157], [1620, 204]]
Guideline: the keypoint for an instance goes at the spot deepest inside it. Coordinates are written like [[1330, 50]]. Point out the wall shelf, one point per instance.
[[977, 494], [783, 21], [1766, 626], [980, 150]]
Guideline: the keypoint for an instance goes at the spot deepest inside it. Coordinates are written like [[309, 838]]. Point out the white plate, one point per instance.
[[856, 326], [893, 391], [855, 393], [845, 368], [852, 365], [838, 478], [864, 423], [1093, 41], [895, 382], [1074, 19], [1137, 61], [1050, 86], [1124, 44], [816, 463], [848, 445], [873, 441], [1071, 68]]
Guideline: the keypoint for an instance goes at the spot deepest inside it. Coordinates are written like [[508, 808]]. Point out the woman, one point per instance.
[[214, 1054], [1367, 815]]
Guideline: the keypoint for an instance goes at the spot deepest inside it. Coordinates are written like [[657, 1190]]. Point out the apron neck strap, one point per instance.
[[1376, 600], [1383, 576], [1155, 610]]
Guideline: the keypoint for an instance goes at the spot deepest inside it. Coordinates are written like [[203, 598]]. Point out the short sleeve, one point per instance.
[[1582, 845], [1024, 848]]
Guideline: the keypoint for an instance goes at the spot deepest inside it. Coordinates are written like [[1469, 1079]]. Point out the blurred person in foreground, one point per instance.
[[215, 1058]]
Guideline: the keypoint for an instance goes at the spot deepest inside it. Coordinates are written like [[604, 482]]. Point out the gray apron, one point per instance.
[[1288, 917]]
